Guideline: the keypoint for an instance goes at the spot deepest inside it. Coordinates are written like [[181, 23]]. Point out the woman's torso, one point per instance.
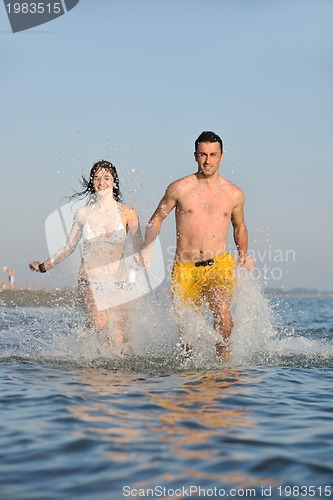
[[104, 237]]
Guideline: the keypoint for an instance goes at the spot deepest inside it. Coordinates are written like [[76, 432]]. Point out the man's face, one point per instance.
[[208, 156]]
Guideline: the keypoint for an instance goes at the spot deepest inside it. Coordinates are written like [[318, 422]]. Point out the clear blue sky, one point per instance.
[[136, 81]]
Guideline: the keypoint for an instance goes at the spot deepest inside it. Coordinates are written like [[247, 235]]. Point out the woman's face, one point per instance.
[[103, 181]]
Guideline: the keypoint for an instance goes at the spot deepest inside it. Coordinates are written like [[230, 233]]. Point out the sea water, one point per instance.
[[80, 420]]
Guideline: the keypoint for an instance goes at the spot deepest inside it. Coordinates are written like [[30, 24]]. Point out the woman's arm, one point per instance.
[[65, 251], [134, 230]]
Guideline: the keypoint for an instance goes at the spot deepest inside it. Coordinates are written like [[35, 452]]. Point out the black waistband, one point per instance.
[[208, 262]]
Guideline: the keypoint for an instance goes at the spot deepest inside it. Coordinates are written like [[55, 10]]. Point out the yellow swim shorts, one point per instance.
[[190, 280]]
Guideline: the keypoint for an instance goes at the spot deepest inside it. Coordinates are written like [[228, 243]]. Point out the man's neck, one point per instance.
[[208, 179]]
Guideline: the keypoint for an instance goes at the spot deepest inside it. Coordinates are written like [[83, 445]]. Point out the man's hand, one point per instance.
[[246, 262]]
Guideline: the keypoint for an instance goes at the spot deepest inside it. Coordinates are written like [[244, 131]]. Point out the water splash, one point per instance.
[[269, 333], [263, 334], [253, 323]]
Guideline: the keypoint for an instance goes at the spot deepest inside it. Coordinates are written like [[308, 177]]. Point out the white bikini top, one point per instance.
[[117, 237]]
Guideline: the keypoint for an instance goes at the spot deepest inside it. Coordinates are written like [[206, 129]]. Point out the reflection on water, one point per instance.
[[109, 428], [195, 404], [196, 411], [196, 421]]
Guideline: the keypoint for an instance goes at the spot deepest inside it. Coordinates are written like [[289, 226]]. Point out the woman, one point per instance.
[[103, 225]]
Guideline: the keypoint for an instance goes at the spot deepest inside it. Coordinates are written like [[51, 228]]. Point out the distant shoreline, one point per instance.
[[69, 298], [38, 298], [297, 292]]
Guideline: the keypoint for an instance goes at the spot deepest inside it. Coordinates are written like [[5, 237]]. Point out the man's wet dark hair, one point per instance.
[[88, 184], [208, 136]]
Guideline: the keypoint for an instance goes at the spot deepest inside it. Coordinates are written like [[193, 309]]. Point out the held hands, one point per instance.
[[142, 259], [246, 262]]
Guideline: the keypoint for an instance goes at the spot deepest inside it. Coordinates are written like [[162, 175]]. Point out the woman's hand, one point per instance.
[[41, 267], [34, 266]]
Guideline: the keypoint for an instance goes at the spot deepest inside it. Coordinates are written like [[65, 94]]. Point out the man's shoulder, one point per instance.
[[182, 183], [231, 187], [236, 193]]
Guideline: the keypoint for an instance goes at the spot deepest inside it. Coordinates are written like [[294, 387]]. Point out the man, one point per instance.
[[205, 204]]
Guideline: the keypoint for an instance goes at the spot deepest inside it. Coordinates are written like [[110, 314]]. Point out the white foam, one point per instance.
[[252, 318], [156, 331]]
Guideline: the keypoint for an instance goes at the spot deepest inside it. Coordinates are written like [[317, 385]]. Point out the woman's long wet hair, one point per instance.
[[88, 184]]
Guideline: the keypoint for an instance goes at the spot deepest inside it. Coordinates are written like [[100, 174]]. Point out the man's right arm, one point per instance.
[[165, 206]]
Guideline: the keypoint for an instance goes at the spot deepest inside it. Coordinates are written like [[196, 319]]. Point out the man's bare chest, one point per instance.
[[206, 204]]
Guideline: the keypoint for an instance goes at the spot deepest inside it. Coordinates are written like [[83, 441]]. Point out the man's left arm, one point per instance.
[[241, 235]]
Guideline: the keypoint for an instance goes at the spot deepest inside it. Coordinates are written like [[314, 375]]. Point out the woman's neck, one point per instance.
[[106, 201]]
